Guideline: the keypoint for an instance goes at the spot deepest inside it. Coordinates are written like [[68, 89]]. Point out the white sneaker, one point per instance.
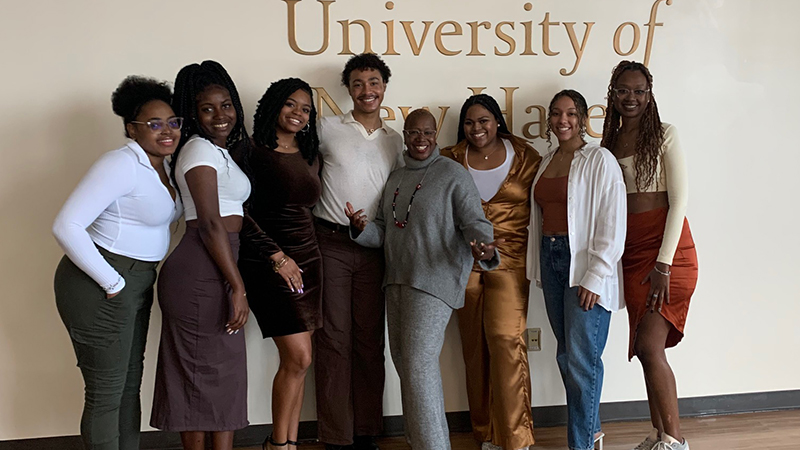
[[668, 442], [649, 442]]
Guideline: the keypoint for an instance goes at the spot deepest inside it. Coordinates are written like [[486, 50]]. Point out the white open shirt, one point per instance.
[[597, 220]]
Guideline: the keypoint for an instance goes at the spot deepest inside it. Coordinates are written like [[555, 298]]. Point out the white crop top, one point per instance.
[[122, 206], [489, 181], [233, 187], [672, 177]]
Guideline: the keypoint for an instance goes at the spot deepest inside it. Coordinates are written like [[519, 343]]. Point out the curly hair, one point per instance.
[[651, 134], [487, 102], [133, 93], [365, 61], [580, 105], [190, 82], [266, 118]]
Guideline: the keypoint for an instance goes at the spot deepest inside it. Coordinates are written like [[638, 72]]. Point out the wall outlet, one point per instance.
[[533, 336]]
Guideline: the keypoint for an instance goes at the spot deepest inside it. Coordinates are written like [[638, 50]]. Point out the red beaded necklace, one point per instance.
[[404, 223]]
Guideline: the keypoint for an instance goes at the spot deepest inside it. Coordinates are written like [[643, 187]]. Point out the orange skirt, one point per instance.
[[642, 243]]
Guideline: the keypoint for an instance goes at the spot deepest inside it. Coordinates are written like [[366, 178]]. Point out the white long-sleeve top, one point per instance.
[[672, 177], [597, 221], [122, 206]]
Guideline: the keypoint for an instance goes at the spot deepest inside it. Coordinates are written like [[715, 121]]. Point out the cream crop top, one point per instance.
[[233, 187], [671, 177]]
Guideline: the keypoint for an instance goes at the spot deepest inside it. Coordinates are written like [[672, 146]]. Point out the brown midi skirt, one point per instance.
[[201, 377], [643, 241]]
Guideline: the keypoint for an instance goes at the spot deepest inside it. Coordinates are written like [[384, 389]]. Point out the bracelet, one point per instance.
[[277, 265], [666, 274], [115, 285]]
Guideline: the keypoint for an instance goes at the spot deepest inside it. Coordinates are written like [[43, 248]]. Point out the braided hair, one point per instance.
[[190, 82], [487, 102], [651, 134], [133, 93], [580, 106], [266, 119]]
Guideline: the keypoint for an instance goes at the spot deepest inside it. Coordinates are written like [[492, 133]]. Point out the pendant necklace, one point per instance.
[[403, 224], [486, 157]]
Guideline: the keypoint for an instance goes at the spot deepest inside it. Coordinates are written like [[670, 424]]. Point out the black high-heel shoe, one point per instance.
[[269, 441]]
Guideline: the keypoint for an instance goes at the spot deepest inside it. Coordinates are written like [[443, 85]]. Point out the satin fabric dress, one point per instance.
[[494, 317], [278, 218], [642, 244]]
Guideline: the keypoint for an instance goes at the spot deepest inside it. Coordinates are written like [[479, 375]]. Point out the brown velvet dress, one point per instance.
[[278, 218]]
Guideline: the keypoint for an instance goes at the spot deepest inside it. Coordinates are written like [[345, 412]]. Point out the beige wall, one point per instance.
[[725, 74]]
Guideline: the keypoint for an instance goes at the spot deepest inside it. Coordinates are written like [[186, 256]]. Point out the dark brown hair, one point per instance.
[[651, 134]]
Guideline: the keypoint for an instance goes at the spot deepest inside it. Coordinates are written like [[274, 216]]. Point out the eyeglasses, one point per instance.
[[174, 123], [623, 92], [417, 133]]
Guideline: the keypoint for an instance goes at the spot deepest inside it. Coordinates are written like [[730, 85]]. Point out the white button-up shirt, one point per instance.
[[597, 220], [122, 206], [355, 166]]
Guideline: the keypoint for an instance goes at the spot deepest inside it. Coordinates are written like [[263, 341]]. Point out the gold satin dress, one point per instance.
[[494, 317]]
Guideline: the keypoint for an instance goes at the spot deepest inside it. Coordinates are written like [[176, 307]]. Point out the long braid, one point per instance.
[[189, 83], [650, 141]]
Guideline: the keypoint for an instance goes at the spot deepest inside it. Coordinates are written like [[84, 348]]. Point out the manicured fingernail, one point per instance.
[[301, 271], [236, 332]]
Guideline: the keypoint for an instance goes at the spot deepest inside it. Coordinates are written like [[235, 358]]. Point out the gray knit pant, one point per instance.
[[417, 322]]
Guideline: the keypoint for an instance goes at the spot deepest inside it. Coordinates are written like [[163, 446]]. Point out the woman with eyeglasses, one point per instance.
[[114, 229], [577, 236], [660, 262], [201, 377], [280, 260], [432, 230], [494, 317]]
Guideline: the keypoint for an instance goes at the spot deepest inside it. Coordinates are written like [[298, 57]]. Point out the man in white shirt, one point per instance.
[[359, 151]]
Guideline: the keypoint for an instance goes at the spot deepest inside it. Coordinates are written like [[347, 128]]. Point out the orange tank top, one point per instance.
[[551, 195]]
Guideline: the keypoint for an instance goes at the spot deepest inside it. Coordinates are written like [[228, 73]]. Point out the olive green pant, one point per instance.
[[108, 336]]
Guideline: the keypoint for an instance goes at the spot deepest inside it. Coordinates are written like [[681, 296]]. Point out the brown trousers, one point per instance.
[[349, 367], [492, 323]]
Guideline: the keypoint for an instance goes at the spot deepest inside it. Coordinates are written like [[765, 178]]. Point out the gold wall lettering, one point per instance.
[[474, 36], [323, 99]]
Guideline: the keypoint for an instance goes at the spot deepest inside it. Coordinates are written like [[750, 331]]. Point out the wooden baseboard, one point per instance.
[[544, 416]]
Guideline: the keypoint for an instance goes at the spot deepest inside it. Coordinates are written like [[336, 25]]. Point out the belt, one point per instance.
[[333, 226]]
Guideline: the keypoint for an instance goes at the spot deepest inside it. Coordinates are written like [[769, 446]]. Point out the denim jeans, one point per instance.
[[581, 337]]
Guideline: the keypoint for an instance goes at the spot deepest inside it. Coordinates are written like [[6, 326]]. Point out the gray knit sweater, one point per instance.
[[432, 253]]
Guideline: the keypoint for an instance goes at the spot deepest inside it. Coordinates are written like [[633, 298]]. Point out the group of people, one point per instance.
[[327, 229]]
